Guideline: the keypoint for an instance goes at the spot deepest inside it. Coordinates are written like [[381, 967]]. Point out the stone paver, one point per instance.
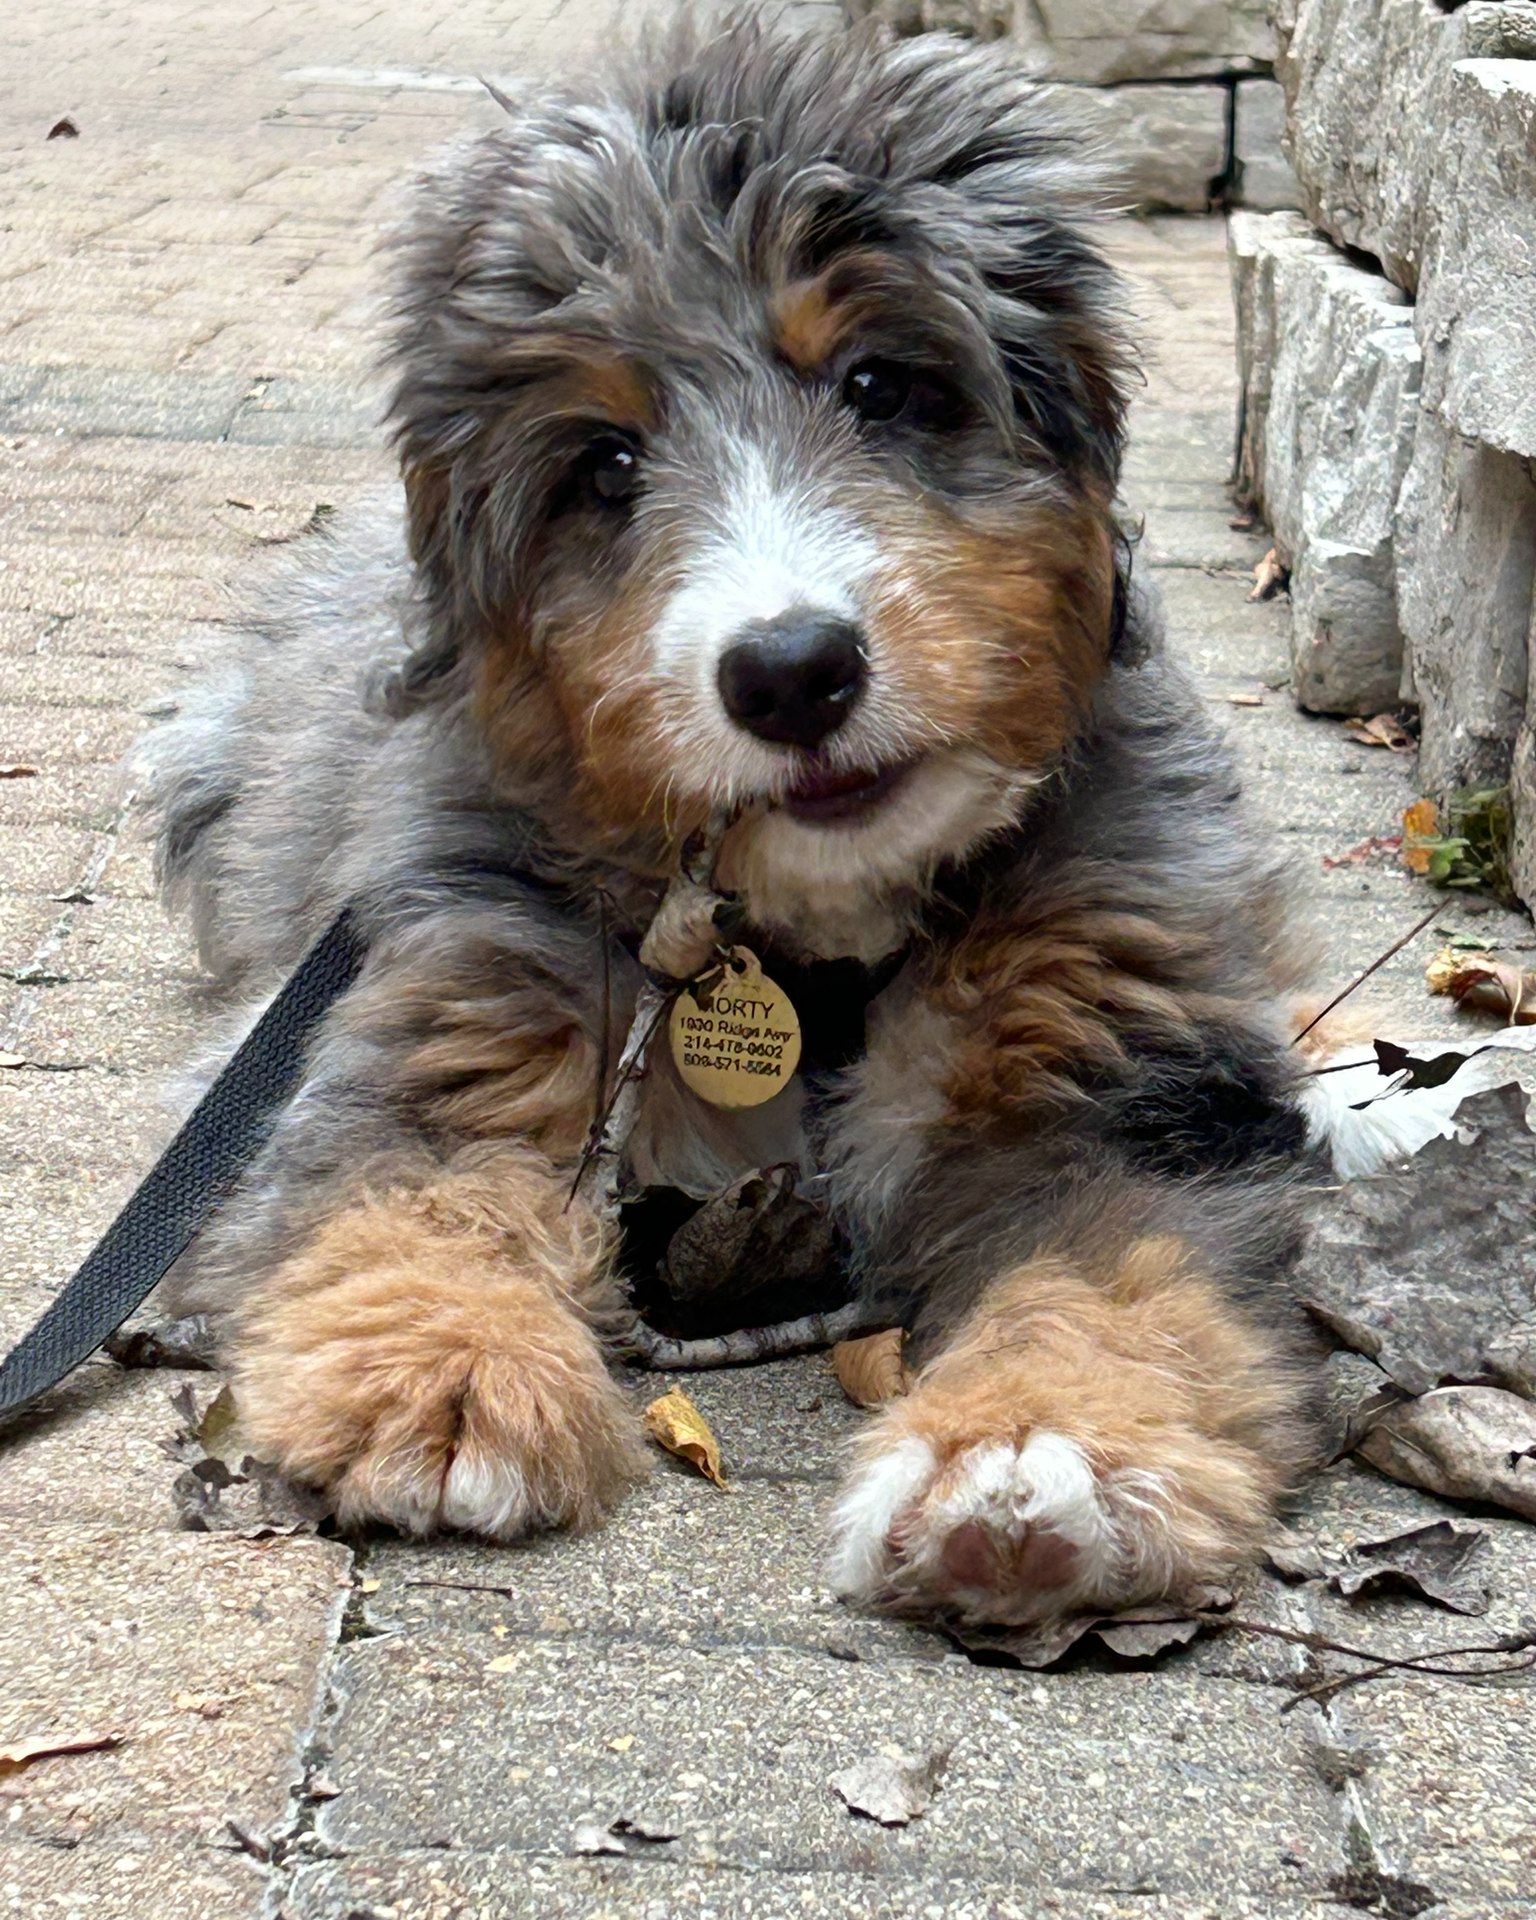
[[186, 303]]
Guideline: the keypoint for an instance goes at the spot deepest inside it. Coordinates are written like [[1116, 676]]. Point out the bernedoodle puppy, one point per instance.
[[759, 415]]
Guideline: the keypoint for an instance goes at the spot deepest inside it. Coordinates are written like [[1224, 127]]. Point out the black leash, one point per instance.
[[189, 1179]]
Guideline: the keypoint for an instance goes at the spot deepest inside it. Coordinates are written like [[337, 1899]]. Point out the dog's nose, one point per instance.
[[794, 680]]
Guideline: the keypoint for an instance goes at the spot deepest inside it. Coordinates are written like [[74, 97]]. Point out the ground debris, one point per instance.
[[223, 1488], [188, 1342], [16, 1754], [1440, 1561], [593, 1836], [1137, 1633], [891, 1786], [1484, 983], [674, 1422], [1427, 1268], [1270, 576], [1381, 730], [1464, 1443]]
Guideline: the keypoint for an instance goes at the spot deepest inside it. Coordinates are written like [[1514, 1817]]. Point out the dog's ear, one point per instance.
[[1004, 181]]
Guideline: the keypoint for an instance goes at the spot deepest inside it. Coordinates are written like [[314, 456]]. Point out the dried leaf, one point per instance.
[[1137, 1633], [592, 1836], [675, 1423], [1440, 1561], [1381, 730], [64, 129], [223, 1488], [503, 1663], [16, 771], [1421, 830], [1490, 986], [1467, 1443], [1377, 846], [760, 1245], [1429, 1268], [891, 1786], [17, 1754], [1270, 576], [871, 1371], [188, 1342]]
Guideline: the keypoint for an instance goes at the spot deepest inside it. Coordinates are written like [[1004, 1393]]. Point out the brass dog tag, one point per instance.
[[737, 1041]]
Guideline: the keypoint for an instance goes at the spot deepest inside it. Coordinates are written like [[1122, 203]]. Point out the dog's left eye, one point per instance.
[[610, 470], [877, 390]]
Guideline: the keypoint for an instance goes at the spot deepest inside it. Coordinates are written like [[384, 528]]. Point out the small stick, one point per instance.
[[747, 1345], [1380, 1664], [1360, 978]]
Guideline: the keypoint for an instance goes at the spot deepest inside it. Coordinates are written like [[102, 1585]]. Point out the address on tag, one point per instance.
[[736, 1042]]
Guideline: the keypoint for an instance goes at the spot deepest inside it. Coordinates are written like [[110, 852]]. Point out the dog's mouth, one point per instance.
[[822, 797]]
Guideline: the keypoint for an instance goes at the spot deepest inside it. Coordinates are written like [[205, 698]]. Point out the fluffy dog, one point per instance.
[[759, 416]]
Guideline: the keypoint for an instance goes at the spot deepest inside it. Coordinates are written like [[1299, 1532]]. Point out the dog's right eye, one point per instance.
[[610, 471]]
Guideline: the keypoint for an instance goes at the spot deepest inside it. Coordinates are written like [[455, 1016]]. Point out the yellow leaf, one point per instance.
[[871, 1370], [1421, 824], [622, 1742], [503, 1663], [675, 1423], [1491, 986]]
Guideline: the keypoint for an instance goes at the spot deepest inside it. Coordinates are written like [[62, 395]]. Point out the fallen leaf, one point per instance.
[[1459, 938], [871, 1370], [1381, 730], [1421, 829], [188, 1342], [503, 1663], [223, 1488], [675, 1423], [762, 1245], [1245, 699], [591, 1836], [622, 1742], [1137, 1633], [64, 129], [1440, 1561], [1466, 1443], [43, 1746], [891, 1786], [1372, 848], [8, 1060], [1426, 1267], [16, 771], [1356, 1394], [1270, 576], [1490, 986]]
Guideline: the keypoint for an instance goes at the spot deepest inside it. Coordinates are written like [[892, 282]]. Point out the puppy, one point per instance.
[[759, 416]]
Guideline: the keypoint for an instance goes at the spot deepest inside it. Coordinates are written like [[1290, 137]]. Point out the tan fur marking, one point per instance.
[[445, 1333], [808, 327], [1147, 1367]]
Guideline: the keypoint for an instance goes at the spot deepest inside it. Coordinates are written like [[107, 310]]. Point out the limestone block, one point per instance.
[[1165, 146], [1103, 41], [1262, 176], [1477, 306], [1330, 373], [1466, 556], [1522, 782], [1371, 132]]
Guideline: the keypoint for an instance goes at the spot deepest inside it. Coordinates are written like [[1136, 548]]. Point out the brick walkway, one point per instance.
[[184, 341]]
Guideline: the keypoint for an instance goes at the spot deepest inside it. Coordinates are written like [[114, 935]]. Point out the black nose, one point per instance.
[[795, 679]]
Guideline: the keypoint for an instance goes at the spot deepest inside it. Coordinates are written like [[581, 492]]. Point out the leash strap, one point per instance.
[[189, 1179]]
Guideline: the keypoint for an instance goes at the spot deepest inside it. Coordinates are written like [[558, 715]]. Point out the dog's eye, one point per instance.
[[610, 470], [877, 390]]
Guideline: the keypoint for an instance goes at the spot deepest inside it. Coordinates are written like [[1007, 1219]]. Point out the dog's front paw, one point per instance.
[[488, 1412], [998, 1520]]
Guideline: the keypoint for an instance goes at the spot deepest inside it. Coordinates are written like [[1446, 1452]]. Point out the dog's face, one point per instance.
[[759, 432]]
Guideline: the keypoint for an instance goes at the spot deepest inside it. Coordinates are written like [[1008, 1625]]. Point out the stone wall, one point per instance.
[[1389, 416], [1180, 92]]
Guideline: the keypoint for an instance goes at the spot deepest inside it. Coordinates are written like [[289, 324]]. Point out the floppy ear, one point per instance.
[[1004, 178]]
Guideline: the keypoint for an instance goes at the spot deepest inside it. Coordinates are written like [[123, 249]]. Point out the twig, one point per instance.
[[467, 1586], [1380, 1664], [1360, 978], [744, 1346]]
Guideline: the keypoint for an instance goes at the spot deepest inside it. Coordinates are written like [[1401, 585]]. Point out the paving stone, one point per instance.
[[1160, 1782]]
